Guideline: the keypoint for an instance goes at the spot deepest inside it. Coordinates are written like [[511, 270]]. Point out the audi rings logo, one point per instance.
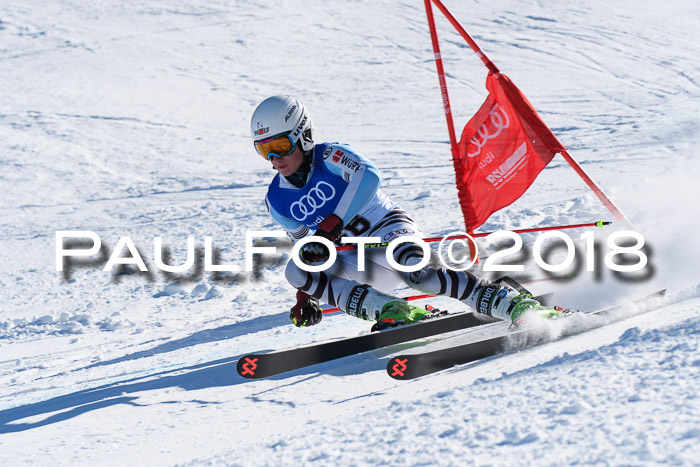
[[309, 203], [499, 120]]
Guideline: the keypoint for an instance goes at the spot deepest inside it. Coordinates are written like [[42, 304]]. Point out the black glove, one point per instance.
[[306, 312], [317, 252]]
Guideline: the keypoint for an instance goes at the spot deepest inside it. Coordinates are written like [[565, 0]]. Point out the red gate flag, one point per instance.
[[503, 148]]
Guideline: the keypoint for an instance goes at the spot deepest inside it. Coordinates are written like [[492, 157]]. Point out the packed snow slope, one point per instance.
[[131, 119]]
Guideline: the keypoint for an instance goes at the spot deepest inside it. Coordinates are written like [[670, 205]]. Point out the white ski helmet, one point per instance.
[[278, 115]]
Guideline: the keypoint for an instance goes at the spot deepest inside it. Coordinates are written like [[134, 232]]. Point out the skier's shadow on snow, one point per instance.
[[216, 373], [204, 336]]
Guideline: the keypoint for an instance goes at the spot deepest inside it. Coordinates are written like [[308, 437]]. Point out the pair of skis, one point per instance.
[[402, 367]]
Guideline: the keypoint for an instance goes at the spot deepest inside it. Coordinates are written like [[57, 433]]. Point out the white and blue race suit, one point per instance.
[[341, 182], [345, 183]]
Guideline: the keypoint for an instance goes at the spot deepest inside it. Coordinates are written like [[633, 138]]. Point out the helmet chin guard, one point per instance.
[[278, 115]]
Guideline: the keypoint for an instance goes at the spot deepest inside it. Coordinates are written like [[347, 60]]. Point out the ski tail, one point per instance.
[[411, 366]]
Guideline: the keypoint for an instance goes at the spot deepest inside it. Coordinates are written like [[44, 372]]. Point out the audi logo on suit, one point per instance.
[[316, 198]]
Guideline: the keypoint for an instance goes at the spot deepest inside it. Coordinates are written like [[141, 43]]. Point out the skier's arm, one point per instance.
[[363, 179]]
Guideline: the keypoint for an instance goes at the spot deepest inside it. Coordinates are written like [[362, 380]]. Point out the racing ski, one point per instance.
[[412, 366], [255, 366]]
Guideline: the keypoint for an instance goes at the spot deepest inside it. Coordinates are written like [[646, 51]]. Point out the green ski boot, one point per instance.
[[399, 312], [528, 308], [506, 303], [367, 303]]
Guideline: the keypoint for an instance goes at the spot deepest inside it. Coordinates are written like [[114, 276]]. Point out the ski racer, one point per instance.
[[332, 191]]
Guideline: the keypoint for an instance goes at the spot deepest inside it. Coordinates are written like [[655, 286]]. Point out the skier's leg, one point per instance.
[[494, 299], [429, 280], [336, 287]]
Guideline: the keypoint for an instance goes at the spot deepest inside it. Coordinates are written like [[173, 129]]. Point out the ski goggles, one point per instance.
[[278, 146]]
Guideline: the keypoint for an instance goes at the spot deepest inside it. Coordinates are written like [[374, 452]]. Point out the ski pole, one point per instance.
[[483, 234], [424, 296]]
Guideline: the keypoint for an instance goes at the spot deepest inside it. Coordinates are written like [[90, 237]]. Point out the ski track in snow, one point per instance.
[[131, 119]]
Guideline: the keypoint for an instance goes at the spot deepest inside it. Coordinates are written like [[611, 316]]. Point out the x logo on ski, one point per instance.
[[399, 367]]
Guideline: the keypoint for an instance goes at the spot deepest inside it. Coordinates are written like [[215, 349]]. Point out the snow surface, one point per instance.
[[131, 119]]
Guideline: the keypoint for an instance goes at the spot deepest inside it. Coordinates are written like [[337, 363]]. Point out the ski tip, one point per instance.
[[247, 366], [398, 367]]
